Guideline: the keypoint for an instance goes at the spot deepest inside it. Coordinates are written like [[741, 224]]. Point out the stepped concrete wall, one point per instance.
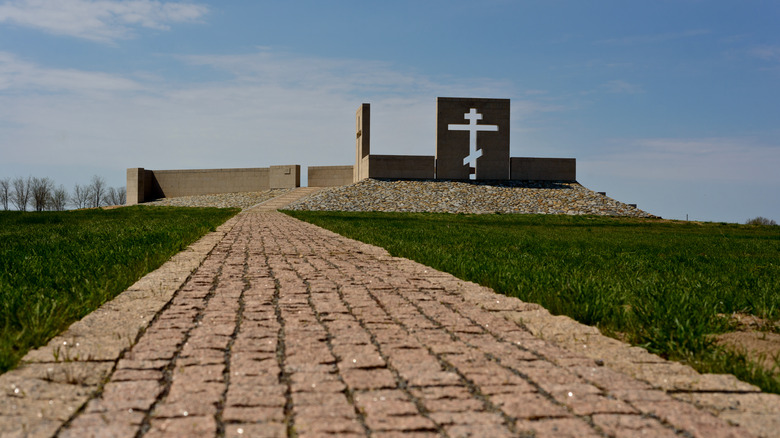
[[145, 185]]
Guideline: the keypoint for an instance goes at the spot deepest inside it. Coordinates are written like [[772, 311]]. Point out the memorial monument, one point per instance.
[[472, 143]]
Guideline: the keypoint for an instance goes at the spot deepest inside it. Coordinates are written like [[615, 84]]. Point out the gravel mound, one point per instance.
[[466, 197], [225, 200]]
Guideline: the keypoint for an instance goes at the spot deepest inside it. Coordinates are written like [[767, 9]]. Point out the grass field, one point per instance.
[[659, 284], [56, 267]]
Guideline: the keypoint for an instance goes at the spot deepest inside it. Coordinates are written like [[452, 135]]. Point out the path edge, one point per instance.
[[54, 381]]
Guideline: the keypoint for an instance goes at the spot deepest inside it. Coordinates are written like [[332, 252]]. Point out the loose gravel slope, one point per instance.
[[466, 197]]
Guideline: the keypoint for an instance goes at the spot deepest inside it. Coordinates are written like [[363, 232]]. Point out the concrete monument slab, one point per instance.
[[472, 138]]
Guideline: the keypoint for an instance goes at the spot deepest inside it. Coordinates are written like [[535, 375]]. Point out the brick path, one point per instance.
[[286, 329]]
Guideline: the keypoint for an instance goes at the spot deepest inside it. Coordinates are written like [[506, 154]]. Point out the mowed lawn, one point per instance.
[[56, 267], [664, 285]]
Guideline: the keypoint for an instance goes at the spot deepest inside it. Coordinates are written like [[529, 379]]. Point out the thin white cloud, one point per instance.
[[336, 75], [767, 53], [17, 76], [654, 38], [272, 109], [692, 159], [98, 20], [619, 86]]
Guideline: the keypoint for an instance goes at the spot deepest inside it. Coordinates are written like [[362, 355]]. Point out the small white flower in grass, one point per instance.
[[239, 430], [570, 394]]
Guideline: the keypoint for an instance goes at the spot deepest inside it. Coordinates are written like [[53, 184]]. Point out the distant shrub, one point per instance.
[[760, 220]]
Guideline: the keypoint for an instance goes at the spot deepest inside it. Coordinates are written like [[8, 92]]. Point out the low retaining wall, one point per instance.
[[401, 166], [145, 185], [330, 176], [423, 167], [543, 169]]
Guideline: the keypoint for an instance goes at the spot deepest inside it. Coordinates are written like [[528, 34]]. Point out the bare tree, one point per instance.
[[21, 193], [80, 196], [59, 197], [97, 192], [5, 191], [41, 192], [116, 196]]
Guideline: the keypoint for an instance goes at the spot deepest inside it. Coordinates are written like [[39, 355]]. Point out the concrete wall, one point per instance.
[[400, 166], [330, 176], [543, 169], [145, 185], [174, 183]]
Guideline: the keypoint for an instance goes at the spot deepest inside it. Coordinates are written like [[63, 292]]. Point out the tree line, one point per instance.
[[40, 194]]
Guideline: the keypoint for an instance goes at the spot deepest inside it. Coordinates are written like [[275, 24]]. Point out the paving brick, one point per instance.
[[123, 424], [528, 405], [478, 430], [253, 429], [182, 427], [137, 395], [359, 379], [558, 428], [627, 426], [480, 418], [250, 414]]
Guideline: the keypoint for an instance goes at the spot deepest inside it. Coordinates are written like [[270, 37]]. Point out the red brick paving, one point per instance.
[[289, 330], [284, 331]]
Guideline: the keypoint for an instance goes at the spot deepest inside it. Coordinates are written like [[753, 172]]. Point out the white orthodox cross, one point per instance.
[[472, 116]]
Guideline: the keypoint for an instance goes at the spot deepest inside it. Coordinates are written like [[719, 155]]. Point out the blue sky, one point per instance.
[[673, 105]]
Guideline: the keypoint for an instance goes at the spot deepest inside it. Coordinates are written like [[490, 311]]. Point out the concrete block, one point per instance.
[[330, 176], [135, 185], [362, 141], [284, 177], [401, 166], [475, 131], [543, 169]]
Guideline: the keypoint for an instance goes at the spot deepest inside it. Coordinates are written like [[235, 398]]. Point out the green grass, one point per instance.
[[56, 267], [658, 284]]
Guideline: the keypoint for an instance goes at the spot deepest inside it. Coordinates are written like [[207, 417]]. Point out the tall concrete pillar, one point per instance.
[[135, 185], [362, 142]]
